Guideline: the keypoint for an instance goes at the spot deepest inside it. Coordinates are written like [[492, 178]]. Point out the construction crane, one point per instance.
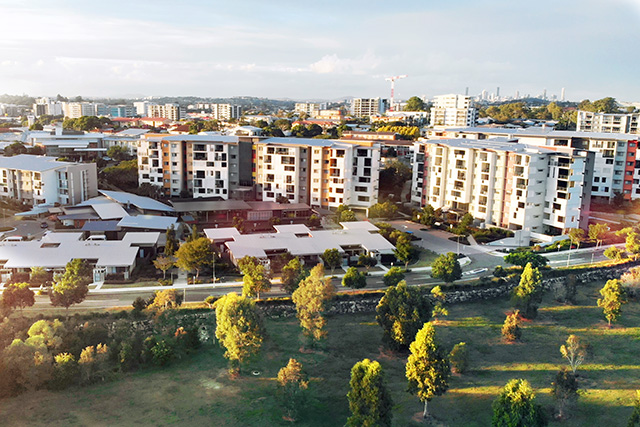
[[393, 81]]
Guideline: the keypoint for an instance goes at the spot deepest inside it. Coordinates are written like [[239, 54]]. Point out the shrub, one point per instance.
[[139, 304], [65, 371], [459, 358], [511, 327], [614, 253], [162, 352]]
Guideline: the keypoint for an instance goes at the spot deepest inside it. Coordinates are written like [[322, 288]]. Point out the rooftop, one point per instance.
[[547, 132], [209, 205], [30, 162], [141, 202], [150, 222]]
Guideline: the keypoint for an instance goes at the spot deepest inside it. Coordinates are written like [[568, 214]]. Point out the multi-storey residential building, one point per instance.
[[311, 109], [608, 122], [171, 111], [226, 111], [122, 111], [321, 173], [616, 169], [198, 165], [367, 107], [521, 187], [39, 179], [453, 111], [46, 106], [142, 108], [73, 110], [129, 139]]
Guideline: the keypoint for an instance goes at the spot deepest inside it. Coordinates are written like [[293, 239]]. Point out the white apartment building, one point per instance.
[[47, 106], [171, 111], [43, 180], [516, 186], [199, 165], [607, 122], [367, 107], [74, 110], [453, 111], [320, 173], [142, 108], [226, 111], [616, 169], [311, 109]]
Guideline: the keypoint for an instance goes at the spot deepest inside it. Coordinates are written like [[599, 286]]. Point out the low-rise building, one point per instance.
[[39, 180]]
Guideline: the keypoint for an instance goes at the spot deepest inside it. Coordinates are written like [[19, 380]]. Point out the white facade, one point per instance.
[[453, 111], [311, 109], [171, 111], [367, 107], [608, 122], [226, 111]]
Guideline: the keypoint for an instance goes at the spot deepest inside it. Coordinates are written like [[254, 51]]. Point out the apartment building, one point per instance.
[[225, 111], [608, 122], [47, 106], [74, 110], [320, 173], [367, 107], [73, 145], [616, 169], [122, 111], [453, 111], [44, 180], [311, 109], [197, 165], [543, 191], [142, 108], [171, 111]]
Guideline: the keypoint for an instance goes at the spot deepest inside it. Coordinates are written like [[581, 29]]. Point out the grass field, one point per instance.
[[197, 391]]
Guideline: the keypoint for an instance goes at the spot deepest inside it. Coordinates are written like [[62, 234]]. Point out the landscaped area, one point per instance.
[[197, 390]]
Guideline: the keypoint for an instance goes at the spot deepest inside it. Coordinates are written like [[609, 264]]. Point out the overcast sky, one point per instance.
[[320, 50]]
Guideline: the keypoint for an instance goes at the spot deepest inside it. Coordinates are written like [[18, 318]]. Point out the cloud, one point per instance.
[[334, 64]]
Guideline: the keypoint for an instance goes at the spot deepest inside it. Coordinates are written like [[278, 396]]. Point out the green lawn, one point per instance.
[[197, 391]]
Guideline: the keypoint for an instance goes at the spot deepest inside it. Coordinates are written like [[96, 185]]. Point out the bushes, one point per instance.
[[459, 358], [511, 327]]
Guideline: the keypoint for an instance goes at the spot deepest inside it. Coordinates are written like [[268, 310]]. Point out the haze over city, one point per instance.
[[319, 51]]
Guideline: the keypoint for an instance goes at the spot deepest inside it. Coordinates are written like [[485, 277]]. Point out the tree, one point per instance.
[[428, 368], [332, 258], [576, 235], [354, 279], [369, 400], [564, 391], [428, 216], [614, 253], [385, 210], [292, 273], [347, 216], [613, 296], [459, 358], [18, 295], [632, 241], [238, 328], [165, 299], [29, 366], [516, 406], [528, 294], [511, 328], [39, 277], [72, 286], [310, 299], [118, 152], [172, 242], [314, 221], [124, 175], [523, 258], [634, 420], [404, 252], [293, 384], [163, 263], [401, 312], [415, 104], [194, 255], [367, 261], [446, 267], [439, 298], [255, 279], [393, 276], [574, 351], [598, 232]]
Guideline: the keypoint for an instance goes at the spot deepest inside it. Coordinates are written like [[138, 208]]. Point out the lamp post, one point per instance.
[[214, 267]]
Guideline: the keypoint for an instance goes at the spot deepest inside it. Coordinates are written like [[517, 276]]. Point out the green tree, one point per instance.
[[347, 216], [369, 400], [65, 371], [292, 273], [528, 294], [511, 328], [576, 235], [459, 358], [314, 221], [255, 278], [632, 240], [634, 420], [367, 261], [238, 328], [597, 232], [124, 175], [354, 279], [172, 242], [438, 308], [392, 277], [28, 366], [564, 391], [18, 295], [446, 267], [428, 368], [194, 255], [404, 252], [613, 296], [292, 392], [118, 152], [72, 286], [415, 104], [428, 216], [39, 277], [614, 253], [310, 299], [401, 312], [332, 259], [385, 210], [163, 263], [165, 299], [516, 406], [574, 351], [523, 258]]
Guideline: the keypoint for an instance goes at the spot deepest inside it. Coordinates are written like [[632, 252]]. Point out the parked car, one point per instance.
[[44, 225]]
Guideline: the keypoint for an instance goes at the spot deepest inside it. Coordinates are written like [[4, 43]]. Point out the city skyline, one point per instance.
[[305, 51]]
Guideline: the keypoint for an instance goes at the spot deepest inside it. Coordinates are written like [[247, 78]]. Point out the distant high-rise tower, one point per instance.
[[544, 94], [562, 95], [498, 92], [517, 94], [466, 92]]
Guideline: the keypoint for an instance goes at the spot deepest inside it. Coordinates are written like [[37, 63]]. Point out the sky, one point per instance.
[[320, 50]]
